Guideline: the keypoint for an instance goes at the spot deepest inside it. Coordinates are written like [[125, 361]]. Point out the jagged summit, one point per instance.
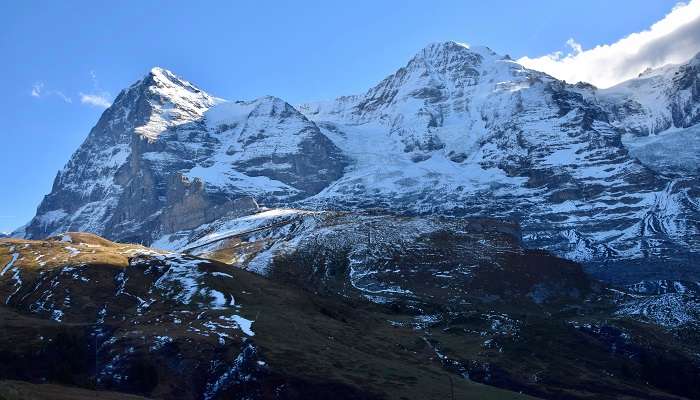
[[440, 72], [163, 78], [159, 101], [168, 156], [160, 71], [438, 49], [159, 75], [454, 59], [229, 113], [658, 99]]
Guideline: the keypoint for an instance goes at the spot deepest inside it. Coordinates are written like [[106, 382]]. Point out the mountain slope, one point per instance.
[[658, 99], [461, 130], [167, 156], [81, 310], [457, 131]]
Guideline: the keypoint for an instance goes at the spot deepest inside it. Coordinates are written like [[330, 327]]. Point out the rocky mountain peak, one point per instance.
[[439, 73], [161, 73], [453, 61], [440, 50], [159, 101], [273, 107], [458, 130], [164, 82], [691, 69], [658, 99]]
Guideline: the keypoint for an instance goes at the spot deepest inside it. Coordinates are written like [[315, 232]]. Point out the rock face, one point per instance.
[[166, 156], [386, 258], [435, 260], [466, 131], [659, 99], [458, 131]]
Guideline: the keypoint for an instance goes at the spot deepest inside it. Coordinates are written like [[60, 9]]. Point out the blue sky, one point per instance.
[[57, 54]]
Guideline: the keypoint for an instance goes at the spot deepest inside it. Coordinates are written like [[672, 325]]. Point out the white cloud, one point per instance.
[[575, 46], [95, 82], [673, 39], [37, 88], [38, 91], [61, 95], [97, 100]]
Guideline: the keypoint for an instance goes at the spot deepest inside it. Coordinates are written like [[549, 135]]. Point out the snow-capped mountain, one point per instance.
[[468, 131], [167, 156], [658, 99], [458, 131], [659, 111]]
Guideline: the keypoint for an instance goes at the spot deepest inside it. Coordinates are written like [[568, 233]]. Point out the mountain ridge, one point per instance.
[[459, 130], [465, 221]]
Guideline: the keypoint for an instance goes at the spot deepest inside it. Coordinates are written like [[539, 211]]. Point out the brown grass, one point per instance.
[[83, 249], [17, 390]]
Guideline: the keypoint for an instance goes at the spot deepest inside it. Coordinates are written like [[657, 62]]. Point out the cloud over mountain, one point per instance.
[[673, 39]]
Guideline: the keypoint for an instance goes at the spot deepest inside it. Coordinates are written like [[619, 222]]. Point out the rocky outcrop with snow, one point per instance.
[[167, 156], [459, 131], [658, 99], [466, 131]]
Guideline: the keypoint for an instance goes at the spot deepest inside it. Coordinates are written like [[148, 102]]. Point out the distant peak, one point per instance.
[[167, 84], [273, 106], [269, 99], [695, 60], [163, 100], [453, 46], [446, 45], [160, 71], [160, 74]]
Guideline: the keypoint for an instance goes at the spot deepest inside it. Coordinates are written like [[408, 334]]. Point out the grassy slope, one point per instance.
[[347, 344], [317, 340]]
